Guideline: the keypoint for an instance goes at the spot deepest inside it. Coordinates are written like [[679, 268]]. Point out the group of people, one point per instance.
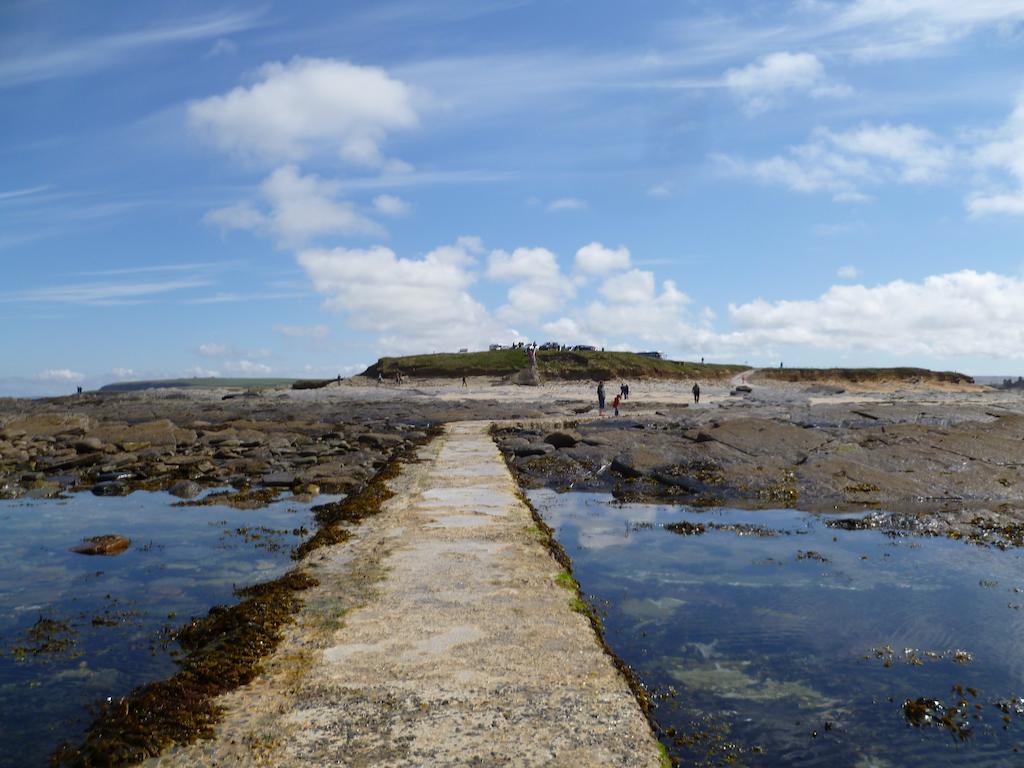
[[624, 395]]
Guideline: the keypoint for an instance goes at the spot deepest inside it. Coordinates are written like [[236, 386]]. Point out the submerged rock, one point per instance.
[[108, 544]]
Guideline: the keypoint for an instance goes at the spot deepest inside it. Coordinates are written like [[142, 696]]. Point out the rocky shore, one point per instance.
[[938, 462], [903, 460]]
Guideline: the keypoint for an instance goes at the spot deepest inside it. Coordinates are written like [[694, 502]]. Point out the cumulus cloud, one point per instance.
[[315, 332], [764, 83], [632, 310], [843, 163], [305, 107], [539, 287], [943, 315], [390, 205], [1002, 153], [60, 375], [296, 209], [414, 303], [567, 204], [596, 259]]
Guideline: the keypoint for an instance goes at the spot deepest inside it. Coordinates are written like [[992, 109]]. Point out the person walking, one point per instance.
[[600, 398], [696, 392], [615, 404], [464, 384]]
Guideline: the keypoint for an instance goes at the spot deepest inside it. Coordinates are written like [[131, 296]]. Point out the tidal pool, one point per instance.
[[771, 639], [75, 629]]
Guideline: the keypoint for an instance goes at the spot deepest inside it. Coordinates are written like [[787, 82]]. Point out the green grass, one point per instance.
[[554, 365], [502, 362], [196, 383], [562, 365]]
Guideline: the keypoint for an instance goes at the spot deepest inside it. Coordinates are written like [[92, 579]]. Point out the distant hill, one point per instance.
[[197, 383], [553, 365], [862, 375]]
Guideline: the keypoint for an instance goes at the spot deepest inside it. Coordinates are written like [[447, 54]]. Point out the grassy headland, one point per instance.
[[554, 365]]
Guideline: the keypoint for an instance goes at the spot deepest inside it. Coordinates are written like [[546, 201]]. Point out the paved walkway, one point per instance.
[[463, 651]]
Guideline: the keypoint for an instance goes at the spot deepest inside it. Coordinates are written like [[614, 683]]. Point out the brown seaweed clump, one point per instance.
[[223, 651]]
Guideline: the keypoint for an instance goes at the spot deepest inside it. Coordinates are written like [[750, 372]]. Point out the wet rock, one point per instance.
[[108, 544], [278, 480], [88, 445], [377, 440], [185, 489], [563, 439], [111, 489], [534, 449]]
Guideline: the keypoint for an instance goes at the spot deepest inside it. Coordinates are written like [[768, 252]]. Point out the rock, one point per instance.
[[380, 440], [278, 480], [534, 449], [108, 544], [185, 489], [110, 489], [88, 445], [563, 439]]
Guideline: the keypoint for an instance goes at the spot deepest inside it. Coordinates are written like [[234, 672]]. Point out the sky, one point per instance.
[[296, 189]]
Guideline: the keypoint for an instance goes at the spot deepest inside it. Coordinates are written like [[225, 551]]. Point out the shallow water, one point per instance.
[[800, 648], [113, 614]]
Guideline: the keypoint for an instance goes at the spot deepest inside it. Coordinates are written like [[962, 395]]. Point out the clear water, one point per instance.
[[759, 650], [118, 609]]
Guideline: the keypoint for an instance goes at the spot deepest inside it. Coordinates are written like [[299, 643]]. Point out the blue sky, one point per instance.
[[297, 189]]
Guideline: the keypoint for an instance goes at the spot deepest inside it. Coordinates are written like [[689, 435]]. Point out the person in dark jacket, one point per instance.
[[696, 392]]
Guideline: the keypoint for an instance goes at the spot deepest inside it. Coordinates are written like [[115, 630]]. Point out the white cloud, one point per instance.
[[415, 304], [567, 204], [596, 259], [843, 163], [214, 350], [633, 312], [59, 374], [101, 294], [247, 367], [911, 28], [660, 190], [1002, 152], [389, 205], [539, 287], [764, 83], [74, 58], [298, 209], [959, 313], [305, 107], [315, 332], [124, 373], [848, 272], [222, 47]]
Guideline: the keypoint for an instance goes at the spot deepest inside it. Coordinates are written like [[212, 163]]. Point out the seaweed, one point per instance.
[[223, 651]]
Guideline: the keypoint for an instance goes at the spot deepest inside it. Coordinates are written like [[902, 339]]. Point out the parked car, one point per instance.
[[550, 345], [655, 355], [584, 348]]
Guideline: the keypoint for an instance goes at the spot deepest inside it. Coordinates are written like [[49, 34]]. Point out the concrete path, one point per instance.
[[463, 651]]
